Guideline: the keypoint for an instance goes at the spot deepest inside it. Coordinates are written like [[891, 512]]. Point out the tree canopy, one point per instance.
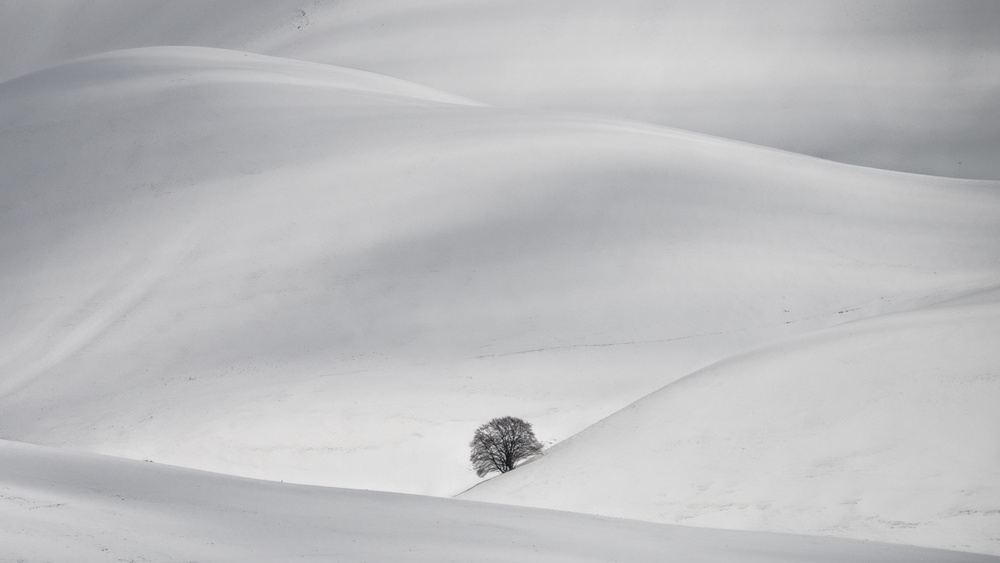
[[501, 443]]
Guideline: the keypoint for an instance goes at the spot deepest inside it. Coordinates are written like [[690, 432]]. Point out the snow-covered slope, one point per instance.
[[68, 506], [303, 247], [884, 429], [894, 84], [300, 272]]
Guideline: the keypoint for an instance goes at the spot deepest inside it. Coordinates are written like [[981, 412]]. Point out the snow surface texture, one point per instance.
[[297, 271], [899, 84], [886, 424], [115, 510]]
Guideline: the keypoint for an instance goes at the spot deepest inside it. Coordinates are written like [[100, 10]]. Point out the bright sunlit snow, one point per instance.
[[322, 242]]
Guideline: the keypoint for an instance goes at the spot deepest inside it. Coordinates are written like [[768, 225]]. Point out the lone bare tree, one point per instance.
[[501, 443]]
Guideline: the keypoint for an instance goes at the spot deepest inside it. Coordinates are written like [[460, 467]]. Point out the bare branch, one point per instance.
[[502, 443]]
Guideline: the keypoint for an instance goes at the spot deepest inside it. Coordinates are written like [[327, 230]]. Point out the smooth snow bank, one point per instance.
[[885, 429], [901, 85], [76, 507], [296, 272], [136, 72]]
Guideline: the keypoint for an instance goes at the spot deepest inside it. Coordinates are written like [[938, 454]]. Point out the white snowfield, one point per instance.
[[107, 509], [223, 249], [891, 84], [881, 428]]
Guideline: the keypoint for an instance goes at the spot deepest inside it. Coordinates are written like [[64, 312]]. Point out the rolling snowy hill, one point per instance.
[[892, 84], [323, 247], [73, 506], [883, 429], [384, 265]]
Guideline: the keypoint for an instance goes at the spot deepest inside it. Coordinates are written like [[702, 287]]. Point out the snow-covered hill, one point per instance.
[[884, 429], [303, 247], [892, 84], [294, 271], [71, 506]]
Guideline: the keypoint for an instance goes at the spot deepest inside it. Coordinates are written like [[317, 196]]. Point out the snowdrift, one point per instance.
[[882, 429], [71, 506], [893, 85]]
